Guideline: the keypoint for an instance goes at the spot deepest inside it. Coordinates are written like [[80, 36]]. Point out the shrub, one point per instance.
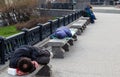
[[29, 24], [44, 19], [33, 22]]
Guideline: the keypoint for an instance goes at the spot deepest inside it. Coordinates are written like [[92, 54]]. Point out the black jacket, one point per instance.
[[34, 53]]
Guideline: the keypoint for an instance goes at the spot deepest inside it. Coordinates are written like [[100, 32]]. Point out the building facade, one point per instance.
[[102, 2], [81, 4]]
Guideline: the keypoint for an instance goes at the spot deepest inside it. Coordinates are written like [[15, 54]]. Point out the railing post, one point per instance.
[[72, 17], [64, 21], [75, 16], [68, 19], [2, 52], [58, 22], [51, 26], [25, 36], [78, 14], [40, 30]]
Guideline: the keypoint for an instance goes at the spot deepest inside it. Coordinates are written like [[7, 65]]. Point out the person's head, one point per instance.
[[25, 65]]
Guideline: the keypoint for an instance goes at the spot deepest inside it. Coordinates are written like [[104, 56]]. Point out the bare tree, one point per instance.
[[25, 4]]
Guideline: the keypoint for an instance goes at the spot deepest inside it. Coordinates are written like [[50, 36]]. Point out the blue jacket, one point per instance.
[[90, 12]]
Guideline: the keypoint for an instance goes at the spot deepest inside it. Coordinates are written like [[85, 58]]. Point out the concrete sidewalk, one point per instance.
[[96, 53]]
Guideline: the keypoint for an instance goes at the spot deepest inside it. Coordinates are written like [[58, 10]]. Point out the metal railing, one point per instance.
[[33, 35]]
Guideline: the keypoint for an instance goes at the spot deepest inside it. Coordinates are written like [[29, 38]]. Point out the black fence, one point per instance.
[[33, 35]]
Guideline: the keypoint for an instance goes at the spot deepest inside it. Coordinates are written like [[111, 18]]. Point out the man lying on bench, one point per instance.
[[26, 59]]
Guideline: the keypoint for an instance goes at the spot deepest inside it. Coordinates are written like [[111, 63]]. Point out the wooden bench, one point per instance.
[[59, 46]]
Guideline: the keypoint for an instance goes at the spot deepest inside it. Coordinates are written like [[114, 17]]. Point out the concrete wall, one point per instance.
[[55, 12], [102, 2], [81, 4], [61, 1]]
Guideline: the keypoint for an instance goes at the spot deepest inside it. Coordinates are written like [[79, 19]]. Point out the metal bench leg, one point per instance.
[[74, 37], [88, 21], [66, 47], [81, 29], [58, 52], [84, 26], [79, 32], [70, 42]]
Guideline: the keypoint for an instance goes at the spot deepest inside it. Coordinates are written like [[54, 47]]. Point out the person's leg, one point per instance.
[[91, 19]]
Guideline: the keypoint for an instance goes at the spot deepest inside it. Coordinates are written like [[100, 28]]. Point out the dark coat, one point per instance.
[[34, 53]]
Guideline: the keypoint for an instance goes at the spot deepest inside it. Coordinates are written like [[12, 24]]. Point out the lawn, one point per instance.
[[8, 31]]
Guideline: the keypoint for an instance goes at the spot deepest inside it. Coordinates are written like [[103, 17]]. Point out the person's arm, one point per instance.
[[35, 63]]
